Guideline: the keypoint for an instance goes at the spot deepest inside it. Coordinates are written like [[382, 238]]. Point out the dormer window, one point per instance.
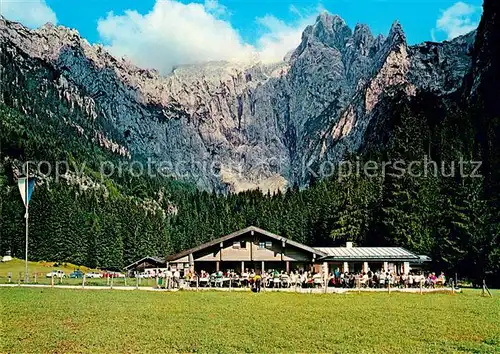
[[265, 244]]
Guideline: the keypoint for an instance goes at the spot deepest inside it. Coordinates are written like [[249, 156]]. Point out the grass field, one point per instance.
[[16, 266], [73, 321]]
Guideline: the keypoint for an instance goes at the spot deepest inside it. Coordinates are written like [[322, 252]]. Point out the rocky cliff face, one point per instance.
[[242, 126], [481, 92]]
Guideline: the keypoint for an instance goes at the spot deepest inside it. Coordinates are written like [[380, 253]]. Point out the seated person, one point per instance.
[[441, 279], [285, 280], [382, 279], [337, 273], [244, 277], [317, 279], [428, 280], [303, 278], [433, 277]]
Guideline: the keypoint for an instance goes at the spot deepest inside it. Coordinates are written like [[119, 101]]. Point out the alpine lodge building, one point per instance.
[[261, 250]]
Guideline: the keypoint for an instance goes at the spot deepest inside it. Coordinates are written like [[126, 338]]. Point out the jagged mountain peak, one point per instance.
[[362, 37], [329, 30], [362, 30], [395, 41], [70, 35], [260, 124], [60, 45], [333, 22], [333, 32], [396, 33]]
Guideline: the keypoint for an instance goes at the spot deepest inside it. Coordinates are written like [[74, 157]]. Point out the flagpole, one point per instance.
[[26, 190], [26, 276]]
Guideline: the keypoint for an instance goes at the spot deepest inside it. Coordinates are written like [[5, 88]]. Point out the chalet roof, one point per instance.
[[368, 253], [424, 258], [152, 259], [239, 233]]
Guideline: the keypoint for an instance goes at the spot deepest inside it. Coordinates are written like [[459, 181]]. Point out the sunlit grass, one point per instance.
[[16, 266], [62, 321]]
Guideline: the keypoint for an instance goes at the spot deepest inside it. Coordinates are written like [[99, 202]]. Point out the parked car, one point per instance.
[[77, 274], [146, 275], [56, 274], [108, 274], [94, 275], [113, 275]]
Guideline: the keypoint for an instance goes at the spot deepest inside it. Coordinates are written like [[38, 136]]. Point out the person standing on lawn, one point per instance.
[[257, 280]]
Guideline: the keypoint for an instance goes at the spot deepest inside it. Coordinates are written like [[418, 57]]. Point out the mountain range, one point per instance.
[[239, 126]]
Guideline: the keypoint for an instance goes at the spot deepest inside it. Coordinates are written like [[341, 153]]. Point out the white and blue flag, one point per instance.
[[26, 186]]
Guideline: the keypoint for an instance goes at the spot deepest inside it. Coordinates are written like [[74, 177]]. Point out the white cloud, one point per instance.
[[215, 8], [174, 33], [279, 37], [458, 19], [31, 13]]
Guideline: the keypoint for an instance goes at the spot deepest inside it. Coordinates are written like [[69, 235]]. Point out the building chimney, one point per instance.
[[348, 244]]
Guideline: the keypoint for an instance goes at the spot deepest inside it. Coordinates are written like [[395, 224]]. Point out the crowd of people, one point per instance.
[[299, 278], [383, 279]]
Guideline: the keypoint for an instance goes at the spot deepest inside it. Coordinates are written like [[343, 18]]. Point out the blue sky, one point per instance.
[[182, 30], [417, 17]]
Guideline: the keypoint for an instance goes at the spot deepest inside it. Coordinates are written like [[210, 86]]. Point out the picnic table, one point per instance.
[[205, 281], [276, 282], [317, 280]]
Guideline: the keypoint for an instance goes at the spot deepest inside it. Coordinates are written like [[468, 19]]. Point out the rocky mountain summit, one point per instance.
[[239, 126]]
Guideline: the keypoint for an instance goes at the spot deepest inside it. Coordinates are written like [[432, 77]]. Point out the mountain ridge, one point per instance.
[[255, 125]]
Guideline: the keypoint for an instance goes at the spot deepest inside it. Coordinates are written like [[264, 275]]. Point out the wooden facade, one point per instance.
[[250, 248], [261, 250]]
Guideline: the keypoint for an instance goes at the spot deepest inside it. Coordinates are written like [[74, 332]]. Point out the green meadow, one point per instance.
[[111, 321]]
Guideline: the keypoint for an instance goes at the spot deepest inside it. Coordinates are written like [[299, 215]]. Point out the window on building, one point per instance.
[[236, 244], [269, 244], [243, 244], [262, 245]]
